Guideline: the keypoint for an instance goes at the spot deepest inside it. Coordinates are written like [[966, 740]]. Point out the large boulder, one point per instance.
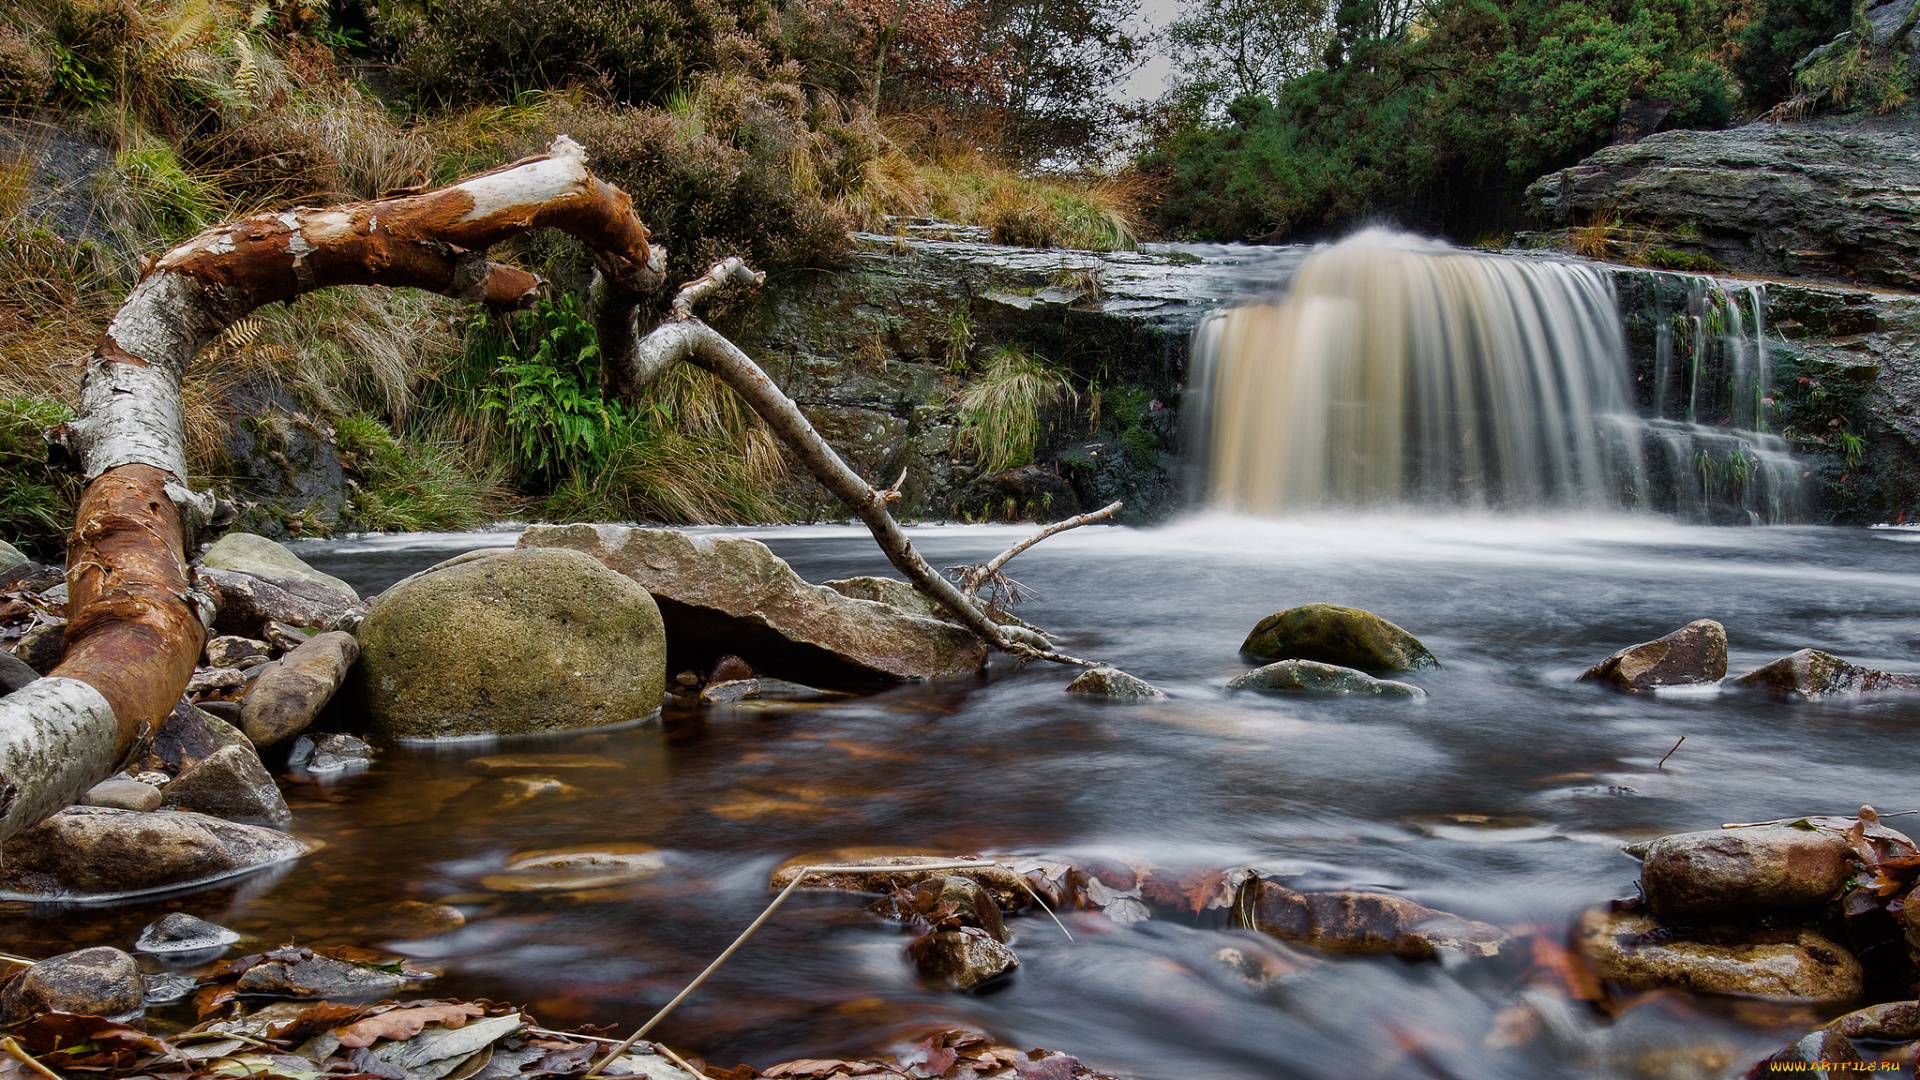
[[1695, 653], [1722, 872], [1793, 964], [726, 594], [1811, 673], [288, 694], [261, 557], [533, 640], [1344, 636], [1363, 922], [95, 853], [90, 982], [1323, 680]]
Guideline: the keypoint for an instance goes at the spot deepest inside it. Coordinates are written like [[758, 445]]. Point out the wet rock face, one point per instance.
[[1798, 965], [1115, 684], [1741, 871], [962, 958], [1343, 636], [1324, 680], [93, 852], [1361, 922], [90, 982], [533, 640], [180, 932], [250, 603], [1811, 673], [722, 595], [1695, 653], [1799, 200]]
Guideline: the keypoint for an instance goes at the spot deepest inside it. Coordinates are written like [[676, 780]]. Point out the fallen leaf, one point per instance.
[[67, 1040], [403, 1024], [310, 1022]]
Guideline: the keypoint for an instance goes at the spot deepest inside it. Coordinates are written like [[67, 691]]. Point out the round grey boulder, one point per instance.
[[525, 641], [90, 982]]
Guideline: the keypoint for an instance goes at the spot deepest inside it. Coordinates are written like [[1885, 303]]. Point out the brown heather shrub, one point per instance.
[[26, 71]]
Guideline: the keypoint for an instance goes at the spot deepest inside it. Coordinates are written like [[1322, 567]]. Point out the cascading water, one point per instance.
[[1402, 370]]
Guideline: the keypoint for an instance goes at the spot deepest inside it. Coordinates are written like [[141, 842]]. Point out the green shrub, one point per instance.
[[1668, 259], [36, 501], [1783, 32]]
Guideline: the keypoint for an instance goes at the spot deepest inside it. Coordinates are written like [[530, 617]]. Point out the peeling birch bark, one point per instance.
[[137, 626]]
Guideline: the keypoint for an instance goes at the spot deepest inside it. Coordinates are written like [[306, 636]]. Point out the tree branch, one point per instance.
[[987, 571]]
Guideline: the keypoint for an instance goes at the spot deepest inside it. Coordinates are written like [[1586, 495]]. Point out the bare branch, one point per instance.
[[731, 267], [989, 570]]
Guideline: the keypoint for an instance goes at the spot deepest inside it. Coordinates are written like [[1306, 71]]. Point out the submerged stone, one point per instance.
[[1695, 653], [90, 982], [180, 932], [1794, 964], [731, 595], [514, 764], [1811, 673], [540, 639], [92, 853], [568, 869], [1739, 871], [1326, 680], [1344, 636], [1363, 922]]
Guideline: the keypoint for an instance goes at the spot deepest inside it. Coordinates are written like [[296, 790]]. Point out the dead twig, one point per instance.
[[16, 1052], [1676, 746], [989, 572], [676, 1059]]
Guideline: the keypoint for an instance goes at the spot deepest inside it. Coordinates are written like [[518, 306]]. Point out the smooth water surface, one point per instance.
[[1505, 797]]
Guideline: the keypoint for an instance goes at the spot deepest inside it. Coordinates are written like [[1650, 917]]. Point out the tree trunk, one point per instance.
[[137, 626]]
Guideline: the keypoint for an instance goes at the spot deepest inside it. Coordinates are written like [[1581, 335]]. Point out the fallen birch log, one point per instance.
[[137, 627]]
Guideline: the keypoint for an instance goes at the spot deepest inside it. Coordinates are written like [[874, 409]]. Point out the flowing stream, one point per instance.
[[1505, 797]]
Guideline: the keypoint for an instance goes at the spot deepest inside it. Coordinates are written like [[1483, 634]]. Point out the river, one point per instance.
[[1505, 797]]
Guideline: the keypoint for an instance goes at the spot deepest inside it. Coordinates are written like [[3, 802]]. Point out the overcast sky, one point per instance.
[[1151, 80]]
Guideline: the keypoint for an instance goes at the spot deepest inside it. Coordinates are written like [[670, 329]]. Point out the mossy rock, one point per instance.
[[1344, 636], [519, 642]]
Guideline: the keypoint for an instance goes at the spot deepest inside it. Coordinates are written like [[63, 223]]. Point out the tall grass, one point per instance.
[[1000, 411]]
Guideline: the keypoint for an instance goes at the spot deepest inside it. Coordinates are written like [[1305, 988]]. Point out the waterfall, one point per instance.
[[1400, 370]]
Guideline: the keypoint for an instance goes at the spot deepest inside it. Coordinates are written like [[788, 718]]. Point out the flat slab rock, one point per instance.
[[1324, 680], [1362, 922], [1695, 653], [891, 867], [1811, 673], [97, 853], [726, 594], [1794, 965]]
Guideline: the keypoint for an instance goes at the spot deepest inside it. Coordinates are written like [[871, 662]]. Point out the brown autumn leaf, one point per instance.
[[354, 954], [323, 1016], [67, 1040], [1564, 970], [817, 1068], [404, 1024], [1202, 888], [738, 1072]]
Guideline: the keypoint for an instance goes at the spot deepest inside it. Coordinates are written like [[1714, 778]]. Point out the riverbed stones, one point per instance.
[[305, 974], [1322, 680], [1363, 922], [1811, 673], [123, 794], [1695, 653], [250, 604], [596, 866], [1720, 872], [1115, 685], [14, 673], [729, 594], [288, 694], [261, 557], [42, 646], [90, 982], [11, 557], [539, 639], [962, 958], [1791, 964], [233, 651], [93, 853], [179, 932], [230, 783], [1331, 634], [334, 752]]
